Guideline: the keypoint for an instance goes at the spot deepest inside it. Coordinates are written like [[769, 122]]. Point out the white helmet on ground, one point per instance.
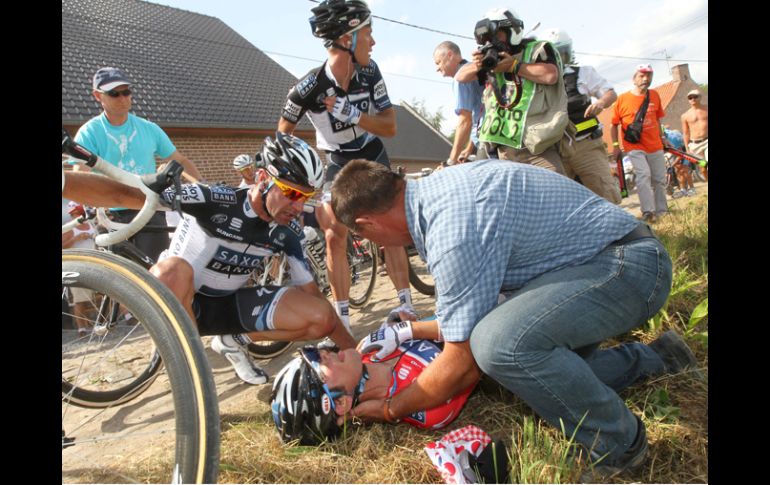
[[562, 41]]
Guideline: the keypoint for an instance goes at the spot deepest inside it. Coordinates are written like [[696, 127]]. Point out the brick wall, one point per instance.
[[213, 155]]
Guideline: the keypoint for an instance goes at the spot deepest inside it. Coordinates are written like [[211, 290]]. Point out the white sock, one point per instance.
[[343, 311], [405, 296]]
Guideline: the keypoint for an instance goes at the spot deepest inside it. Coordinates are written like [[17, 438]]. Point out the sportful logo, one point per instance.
[[236, 223]]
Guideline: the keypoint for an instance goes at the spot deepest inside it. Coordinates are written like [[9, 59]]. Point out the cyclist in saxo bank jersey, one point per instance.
[[224, 235], [347, 102]]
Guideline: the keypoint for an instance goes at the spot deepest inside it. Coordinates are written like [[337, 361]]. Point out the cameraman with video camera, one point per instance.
[[525, 102]]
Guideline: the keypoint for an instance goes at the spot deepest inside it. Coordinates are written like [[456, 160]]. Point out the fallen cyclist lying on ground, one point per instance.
[[314, 392]]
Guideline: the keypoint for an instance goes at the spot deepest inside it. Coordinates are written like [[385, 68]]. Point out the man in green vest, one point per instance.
[[525, 102]]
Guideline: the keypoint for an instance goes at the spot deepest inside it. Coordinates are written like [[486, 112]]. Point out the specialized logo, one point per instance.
[[306, 85], [223, 195], [219, 218], [380, 90]]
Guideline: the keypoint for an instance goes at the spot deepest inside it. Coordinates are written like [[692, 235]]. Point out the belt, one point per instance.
[[698, 141], [639, 232]]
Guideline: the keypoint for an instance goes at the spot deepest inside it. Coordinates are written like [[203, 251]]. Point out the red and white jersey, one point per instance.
[[413, 357]]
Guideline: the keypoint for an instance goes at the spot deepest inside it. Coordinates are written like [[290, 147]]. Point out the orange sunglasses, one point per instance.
[[290, 192]]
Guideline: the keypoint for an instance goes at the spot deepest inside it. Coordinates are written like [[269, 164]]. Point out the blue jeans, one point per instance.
[[541, 343]]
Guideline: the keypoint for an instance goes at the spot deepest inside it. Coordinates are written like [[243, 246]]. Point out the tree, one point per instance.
[[435, 119]]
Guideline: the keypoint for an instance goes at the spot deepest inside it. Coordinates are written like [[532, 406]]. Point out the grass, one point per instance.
[[674, 408]]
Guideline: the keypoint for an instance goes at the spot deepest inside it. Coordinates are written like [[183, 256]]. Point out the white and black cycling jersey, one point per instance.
[[366, 91], [223, 238]]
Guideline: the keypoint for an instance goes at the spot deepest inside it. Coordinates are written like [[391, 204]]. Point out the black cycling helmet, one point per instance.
[[334, 18], [290, 158], [302, 408]]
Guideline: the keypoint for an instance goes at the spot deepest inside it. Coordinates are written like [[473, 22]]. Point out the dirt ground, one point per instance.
[[151, 413]]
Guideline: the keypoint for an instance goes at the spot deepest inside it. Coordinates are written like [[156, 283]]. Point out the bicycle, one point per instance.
[[362, 260], [162, 325]]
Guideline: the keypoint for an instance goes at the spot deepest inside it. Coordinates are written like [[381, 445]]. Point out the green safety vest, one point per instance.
[[538, 117]]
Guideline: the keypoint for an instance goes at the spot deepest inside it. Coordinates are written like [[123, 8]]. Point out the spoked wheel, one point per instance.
[[419, 276], [113, 361], [362, 259], [267, 349], [173, 431]]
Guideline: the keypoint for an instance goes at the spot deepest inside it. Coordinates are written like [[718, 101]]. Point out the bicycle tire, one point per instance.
[[144, 378], [362, 259], [193, 393], [419, 277], [268, 349]]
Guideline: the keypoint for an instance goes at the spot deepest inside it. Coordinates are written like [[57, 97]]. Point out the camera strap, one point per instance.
[[498, 83], [639, 118]]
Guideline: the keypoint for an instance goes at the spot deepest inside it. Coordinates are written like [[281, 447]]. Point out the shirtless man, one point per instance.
[[695, 128]]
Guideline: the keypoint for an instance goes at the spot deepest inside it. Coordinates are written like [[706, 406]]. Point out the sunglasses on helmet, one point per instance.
[[290, 192]]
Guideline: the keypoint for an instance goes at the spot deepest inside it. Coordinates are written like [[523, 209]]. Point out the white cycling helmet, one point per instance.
[[563, 43], [290, 158], [242, 161], [302, 409], [510, 22]]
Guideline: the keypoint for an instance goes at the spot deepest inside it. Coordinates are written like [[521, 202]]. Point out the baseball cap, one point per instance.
[[644, 68], [694, 92], [109, 78]]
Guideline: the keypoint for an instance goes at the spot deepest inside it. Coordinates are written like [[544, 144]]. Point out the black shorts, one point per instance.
[[374, 151], [246, 310]]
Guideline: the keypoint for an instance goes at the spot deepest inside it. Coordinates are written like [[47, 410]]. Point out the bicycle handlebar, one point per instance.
[[83, 156]]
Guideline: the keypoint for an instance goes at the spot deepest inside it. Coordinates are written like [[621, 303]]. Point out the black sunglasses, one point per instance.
[[693, 97], [114, 94]]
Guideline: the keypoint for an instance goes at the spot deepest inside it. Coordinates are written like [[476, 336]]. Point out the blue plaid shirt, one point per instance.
[[490, 225]]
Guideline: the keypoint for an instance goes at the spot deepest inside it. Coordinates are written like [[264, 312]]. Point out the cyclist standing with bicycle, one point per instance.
[[131, 143], [224, 235], [347, 102]]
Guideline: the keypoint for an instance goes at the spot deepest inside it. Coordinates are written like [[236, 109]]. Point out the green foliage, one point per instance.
[[658, 407], [435, 119]]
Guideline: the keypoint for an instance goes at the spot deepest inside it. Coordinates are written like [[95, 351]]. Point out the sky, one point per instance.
[[677, 29]]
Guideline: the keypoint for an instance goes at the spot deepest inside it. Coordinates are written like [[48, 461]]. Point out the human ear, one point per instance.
[[343, 404]]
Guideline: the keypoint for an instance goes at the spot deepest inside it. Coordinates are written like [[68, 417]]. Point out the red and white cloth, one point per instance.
[[450, 454]]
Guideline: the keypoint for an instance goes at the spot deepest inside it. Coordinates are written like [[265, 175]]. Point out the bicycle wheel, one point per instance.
[[185, 421], [267, 349], [419, 276], [362, 259], [117, 351]]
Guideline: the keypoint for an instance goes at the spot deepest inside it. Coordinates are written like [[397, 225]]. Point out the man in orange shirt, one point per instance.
[[646, 155]]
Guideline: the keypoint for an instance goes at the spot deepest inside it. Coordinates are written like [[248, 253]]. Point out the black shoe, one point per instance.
[[676, 355], [631, 459]]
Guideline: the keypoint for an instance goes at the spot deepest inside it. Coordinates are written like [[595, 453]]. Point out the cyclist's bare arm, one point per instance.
[[99, 191], [380, 124], [285, 126]]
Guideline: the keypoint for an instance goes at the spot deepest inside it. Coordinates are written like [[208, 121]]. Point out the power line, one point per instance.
[[640, 58], [384, 72]]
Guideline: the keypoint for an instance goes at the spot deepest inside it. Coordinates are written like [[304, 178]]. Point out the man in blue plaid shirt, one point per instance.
[[577, 270]]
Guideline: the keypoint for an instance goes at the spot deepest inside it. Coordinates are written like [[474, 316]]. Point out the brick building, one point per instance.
[[214, 93]]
